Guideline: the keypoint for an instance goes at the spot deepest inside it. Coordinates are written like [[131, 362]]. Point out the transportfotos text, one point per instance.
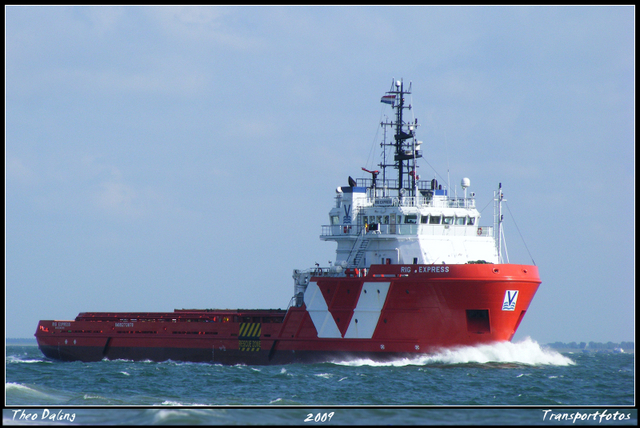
[[550, 415]]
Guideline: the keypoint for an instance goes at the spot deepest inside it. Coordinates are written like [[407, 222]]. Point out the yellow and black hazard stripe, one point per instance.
[[249, 336]]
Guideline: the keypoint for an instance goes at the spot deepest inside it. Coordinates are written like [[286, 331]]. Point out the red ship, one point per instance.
[[414, 273]]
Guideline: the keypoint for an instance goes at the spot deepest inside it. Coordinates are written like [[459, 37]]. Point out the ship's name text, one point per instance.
[[124, 324], [426, 269]]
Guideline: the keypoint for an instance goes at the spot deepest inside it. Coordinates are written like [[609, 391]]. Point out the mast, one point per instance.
[[499, 197], [405, 147], [384, 162]]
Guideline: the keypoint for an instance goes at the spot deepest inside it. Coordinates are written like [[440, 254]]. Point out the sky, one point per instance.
[[186, 157]]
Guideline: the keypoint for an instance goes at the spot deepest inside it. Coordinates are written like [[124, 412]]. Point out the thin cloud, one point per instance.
[[19, 173], [203, 24]]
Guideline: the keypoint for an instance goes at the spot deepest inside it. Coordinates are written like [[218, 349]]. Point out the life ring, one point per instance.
[[479, 231], [345, 229]]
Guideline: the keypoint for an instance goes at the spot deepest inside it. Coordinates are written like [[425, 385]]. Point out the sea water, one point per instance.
[[505, 383]]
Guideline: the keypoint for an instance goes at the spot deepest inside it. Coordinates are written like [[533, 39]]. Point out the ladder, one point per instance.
[[364, 243]]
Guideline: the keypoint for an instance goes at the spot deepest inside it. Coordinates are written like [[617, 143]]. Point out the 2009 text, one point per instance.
[[319, 417]]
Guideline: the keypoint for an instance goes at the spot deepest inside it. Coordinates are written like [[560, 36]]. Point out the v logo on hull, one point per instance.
[[365, 316]]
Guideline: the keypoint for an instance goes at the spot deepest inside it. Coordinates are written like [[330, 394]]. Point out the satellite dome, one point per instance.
[[465, 183]]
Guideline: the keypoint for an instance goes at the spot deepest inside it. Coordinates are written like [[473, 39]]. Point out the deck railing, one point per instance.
[[408, 229]]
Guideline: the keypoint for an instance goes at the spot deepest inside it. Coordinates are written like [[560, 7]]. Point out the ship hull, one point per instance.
[[394, 311], [202, 355]]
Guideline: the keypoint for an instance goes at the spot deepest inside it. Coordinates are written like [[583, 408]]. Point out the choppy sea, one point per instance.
[[520, 383]]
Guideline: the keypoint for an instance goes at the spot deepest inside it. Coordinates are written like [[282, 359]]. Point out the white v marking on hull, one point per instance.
[[319, 311], [367, 312]]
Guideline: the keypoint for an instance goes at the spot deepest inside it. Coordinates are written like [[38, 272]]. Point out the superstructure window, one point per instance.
[[471, 221], [448, 220], [335, 219], [424, 219], [435, 219], [460, 221], [411, 219], [372, 219]]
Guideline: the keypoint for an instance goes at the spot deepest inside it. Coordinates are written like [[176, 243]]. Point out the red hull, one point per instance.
[[393, 311]]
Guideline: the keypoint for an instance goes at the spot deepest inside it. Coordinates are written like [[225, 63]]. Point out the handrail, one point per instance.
[[354, 231], [418, 201]]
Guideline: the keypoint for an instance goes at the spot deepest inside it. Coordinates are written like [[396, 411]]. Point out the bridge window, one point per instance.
[[411, 219], [335, 219], [471, 221], [372, 219], [460, 221], [448, 220], [424, 219], [435, 219]]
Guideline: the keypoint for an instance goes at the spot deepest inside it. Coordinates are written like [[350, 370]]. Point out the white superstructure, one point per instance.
[[431, 228]]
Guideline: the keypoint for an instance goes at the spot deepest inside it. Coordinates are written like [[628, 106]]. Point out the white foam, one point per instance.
[[178, 403], [11, 388], [14, 359], [18, 386], [178, 416], [527, 351]]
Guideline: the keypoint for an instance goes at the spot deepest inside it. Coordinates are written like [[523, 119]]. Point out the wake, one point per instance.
[[527, 352]]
